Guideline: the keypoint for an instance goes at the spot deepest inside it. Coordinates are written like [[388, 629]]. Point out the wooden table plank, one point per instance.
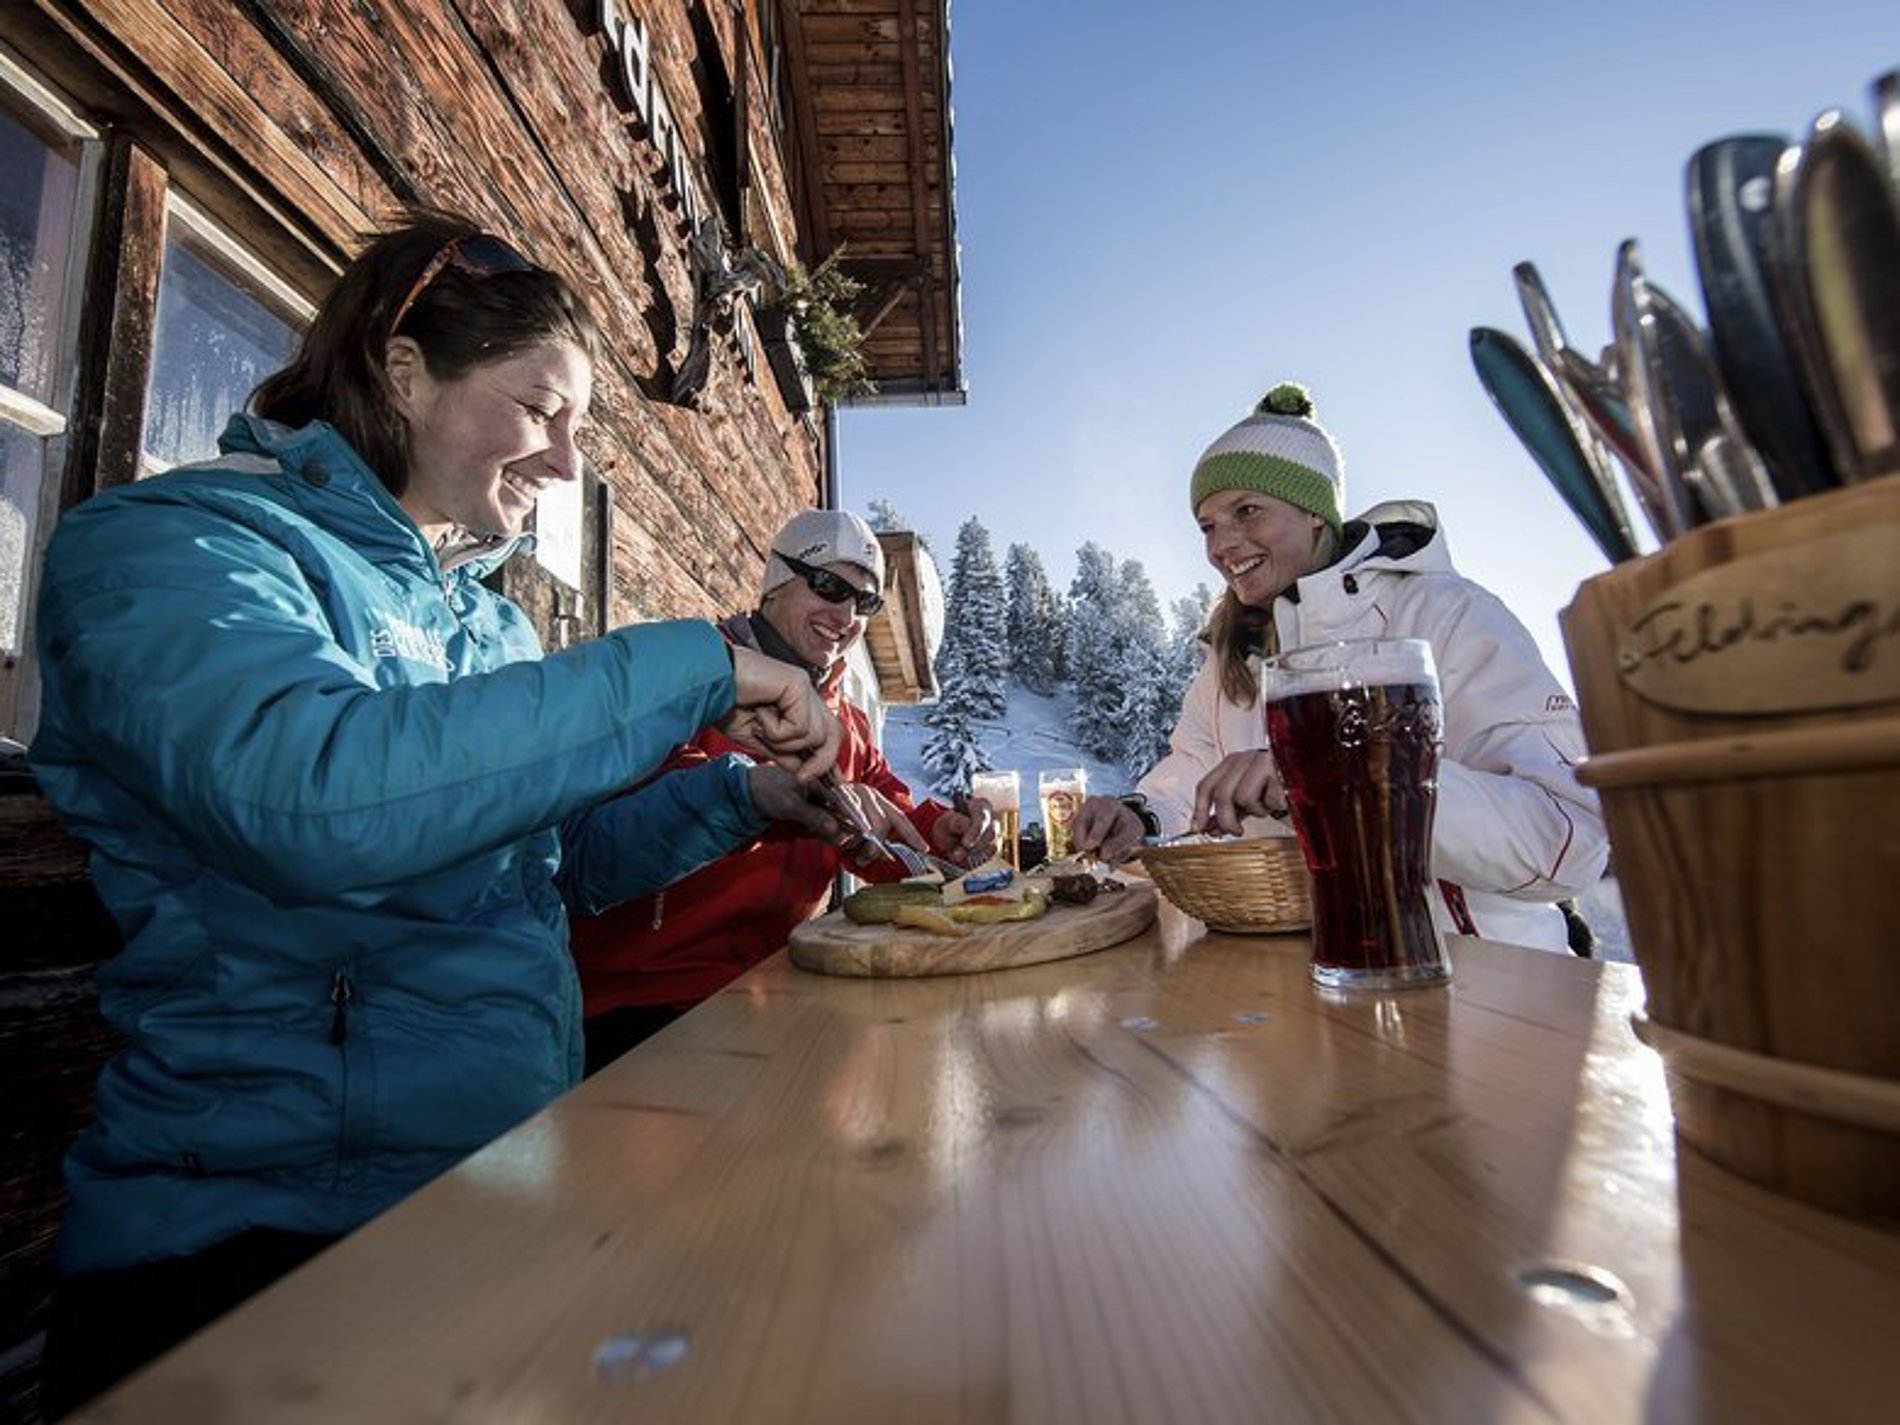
[[1166, 1182]]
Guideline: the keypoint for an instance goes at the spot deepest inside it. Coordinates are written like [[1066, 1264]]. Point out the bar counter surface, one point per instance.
[[1167, 1182]]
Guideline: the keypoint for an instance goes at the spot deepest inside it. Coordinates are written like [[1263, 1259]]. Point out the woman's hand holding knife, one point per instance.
[[782, 715]]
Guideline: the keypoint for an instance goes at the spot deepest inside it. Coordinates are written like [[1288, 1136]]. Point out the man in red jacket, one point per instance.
[[646, 962]]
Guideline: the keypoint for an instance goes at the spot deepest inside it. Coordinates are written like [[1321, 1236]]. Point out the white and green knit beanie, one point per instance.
[[1279, 450]]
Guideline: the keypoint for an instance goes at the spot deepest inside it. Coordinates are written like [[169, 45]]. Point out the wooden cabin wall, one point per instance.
[[52, 1043], [335, 114], [301, 125]]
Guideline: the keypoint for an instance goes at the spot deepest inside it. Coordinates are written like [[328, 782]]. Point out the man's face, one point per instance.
[[820, 631]]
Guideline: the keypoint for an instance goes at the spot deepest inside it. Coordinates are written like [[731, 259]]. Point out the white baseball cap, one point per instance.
[[821, 537]]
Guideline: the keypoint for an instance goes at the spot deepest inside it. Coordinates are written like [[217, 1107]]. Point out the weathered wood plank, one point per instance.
[[881, 99], [222, 117], [116, 324], [870, 29], [857, 7], [837, 122], [845, 175], [834, 75], [288, 102], [863, 148], [852, 63], [871, 196]]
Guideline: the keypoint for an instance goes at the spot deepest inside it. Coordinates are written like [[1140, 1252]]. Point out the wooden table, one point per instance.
[[1168, 1182]]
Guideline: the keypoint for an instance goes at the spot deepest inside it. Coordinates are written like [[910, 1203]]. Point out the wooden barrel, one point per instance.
[[1740, 692]]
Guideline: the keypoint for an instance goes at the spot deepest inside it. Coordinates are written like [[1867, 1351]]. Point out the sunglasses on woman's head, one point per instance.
[[832, 588], [477, 254]]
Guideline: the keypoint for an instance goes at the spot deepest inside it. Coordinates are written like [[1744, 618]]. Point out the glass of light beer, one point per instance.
[[1356, 728], [1004, 792], [1061, 791]]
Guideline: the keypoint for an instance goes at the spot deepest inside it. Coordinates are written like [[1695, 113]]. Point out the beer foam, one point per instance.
[[1354, 663]]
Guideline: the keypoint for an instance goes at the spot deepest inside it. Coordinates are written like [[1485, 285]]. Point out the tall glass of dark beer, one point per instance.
[[1356, 728]]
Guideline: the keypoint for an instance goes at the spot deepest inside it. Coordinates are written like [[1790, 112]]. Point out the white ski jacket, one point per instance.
[[1515, 830]]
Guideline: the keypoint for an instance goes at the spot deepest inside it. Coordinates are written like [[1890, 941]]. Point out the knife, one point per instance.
[[1717, 458], [1837, 245], [830, 789], [1549, 342], [1633, 325], [1731, 185], [1527, 399], [1600, 397], [1887, 120]]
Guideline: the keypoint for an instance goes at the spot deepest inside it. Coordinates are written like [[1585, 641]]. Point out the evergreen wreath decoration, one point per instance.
[[817, 305]]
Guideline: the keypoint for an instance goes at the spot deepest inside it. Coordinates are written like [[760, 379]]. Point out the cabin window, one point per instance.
[[224, 324], [48, 158]]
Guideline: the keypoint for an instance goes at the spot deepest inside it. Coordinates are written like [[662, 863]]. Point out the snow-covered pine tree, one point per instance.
[[1158, 674], [1091, 648], [1185, 648], [976, 626], [886, 518], [1148, 706], [1035, 618], [951, 752]]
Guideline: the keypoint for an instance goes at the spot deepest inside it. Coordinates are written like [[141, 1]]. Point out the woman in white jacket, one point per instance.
[[1515, 831]]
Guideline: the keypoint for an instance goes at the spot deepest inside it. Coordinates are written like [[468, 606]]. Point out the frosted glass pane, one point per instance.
[[215, 340], [39, 191], [20, 463]]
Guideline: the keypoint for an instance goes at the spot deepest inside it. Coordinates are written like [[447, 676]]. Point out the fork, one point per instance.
[[914, 862]]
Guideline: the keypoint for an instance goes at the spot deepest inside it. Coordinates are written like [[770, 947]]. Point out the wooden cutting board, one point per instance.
[[833, 945]]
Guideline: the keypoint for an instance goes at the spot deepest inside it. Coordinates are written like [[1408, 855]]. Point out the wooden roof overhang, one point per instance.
[[871, 94], [900, 637]]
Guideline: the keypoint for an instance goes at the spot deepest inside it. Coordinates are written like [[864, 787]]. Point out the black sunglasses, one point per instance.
[[833, 589], [477, 254]]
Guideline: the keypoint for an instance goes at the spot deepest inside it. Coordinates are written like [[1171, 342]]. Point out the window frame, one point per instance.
[[44, 108], [225, 252], [93, 431]]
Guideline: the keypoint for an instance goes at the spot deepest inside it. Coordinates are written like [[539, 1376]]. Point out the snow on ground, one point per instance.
[[1036, 736]]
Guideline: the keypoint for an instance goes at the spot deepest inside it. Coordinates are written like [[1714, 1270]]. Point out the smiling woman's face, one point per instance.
[[483, 446], [1257, 543]]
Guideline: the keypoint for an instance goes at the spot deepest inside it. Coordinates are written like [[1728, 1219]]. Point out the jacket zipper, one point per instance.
[[340, 993]]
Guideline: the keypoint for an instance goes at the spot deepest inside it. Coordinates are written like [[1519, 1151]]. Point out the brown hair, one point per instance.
[[460, 320]]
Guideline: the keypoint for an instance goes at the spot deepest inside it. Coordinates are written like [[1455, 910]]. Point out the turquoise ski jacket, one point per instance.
[[326, 782]]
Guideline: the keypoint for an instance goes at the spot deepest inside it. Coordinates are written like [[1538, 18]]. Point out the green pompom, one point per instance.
[[1289, 398]]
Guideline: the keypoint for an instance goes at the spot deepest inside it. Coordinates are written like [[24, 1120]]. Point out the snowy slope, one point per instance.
[[1035, 737]]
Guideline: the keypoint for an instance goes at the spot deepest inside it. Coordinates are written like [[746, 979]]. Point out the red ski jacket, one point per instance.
[[680, 945]]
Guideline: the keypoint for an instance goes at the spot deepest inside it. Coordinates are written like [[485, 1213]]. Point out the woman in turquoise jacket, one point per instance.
[[327, 777]]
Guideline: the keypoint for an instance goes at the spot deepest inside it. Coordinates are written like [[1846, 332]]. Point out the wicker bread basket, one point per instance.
[[1254, 886]]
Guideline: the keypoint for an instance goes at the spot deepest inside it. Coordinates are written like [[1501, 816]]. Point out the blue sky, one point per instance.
[[1164, 210]]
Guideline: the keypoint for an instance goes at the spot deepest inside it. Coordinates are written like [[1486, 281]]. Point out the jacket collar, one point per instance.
[[755, 631], [1399, 534], [330, 483]]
